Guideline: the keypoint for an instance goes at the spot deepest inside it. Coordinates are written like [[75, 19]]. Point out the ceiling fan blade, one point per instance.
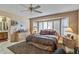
[[36, 7], [37, 11]]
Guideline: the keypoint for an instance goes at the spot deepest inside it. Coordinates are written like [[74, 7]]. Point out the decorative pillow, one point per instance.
[[52, 32], [44, 32], [48, 48], [47, 32]]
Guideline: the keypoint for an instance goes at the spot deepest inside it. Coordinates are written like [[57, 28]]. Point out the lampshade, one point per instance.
[[69, 29]]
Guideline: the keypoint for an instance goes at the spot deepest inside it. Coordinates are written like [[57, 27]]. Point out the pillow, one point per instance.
[[48, 32], [44, 32], [40, 46], [52, 32]]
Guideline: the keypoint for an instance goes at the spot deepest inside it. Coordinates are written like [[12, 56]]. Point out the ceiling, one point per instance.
[[47, 9]]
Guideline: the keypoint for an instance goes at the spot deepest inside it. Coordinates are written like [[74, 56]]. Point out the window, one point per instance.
[[59, 25], [45, 25], [64, 25], [50, 25], [40, 26], [35, 26]]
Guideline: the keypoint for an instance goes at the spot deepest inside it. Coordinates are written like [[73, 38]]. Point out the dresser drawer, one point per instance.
[[3, 35]]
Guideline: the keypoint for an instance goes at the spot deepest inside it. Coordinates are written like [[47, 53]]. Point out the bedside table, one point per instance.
[[60, 45]]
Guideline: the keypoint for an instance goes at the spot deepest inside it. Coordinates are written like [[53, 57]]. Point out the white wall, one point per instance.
[[25, 22]]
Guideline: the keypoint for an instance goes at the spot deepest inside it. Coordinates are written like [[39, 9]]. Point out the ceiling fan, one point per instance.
[[32, 9]]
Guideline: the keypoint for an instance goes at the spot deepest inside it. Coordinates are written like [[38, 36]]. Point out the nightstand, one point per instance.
[[60, 45]]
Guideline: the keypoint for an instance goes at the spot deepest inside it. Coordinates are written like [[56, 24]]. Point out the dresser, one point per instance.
[[3, 35], [14, 37], [18, 36]]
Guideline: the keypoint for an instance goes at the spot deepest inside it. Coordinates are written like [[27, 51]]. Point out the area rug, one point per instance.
[[25, 48]]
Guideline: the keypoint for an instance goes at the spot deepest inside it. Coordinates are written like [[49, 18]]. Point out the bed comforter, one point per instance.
[[46, 40]]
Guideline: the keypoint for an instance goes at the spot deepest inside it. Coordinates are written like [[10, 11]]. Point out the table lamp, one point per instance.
[[34, 31], [70, 31]]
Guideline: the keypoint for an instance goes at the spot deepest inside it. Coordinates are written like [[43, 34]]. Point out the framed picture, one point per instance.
[[13, 23]]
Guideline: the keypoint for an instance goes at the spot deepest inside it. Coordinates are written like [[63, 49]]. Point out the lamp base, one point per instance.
[[70, 36]]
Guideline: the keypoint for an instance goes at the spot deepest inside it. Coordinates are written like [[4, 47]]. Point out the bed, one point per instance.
[[44, 40]]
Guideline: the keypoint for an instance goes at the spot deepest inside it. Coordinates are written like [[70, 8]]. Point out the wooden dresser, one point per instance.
[[3, 35], [14, 37]]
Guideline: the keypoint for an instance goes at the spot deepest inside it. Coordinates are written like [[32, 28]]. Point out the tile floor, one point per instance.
[[4, 45]]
